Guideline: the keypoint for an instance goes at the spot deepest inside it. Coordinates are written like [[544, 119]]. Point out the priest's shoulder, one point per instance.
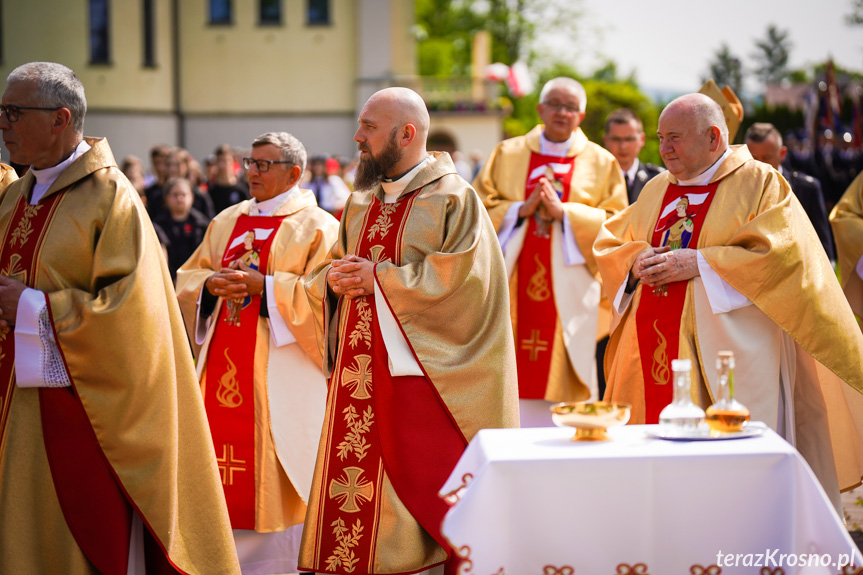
[[512, 145]]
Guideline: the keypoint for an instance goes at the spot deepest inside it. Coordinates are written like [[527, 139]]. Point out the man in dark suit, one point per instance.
[[624, 137], [765, 145]]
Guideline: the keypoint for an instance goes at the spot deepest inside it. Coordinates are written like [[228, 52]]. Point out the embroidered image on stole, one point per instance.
[[660, 309], [229, 384]]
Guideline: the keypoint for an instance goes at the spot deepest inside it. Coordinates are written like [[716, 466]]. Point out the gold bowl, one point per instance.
[[590, 418]]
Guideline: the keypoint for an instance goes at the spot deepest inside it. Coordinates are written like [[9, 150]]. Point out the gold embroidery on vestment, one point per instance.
[[358, 377], [383, 222], [537, 288], [660, 359], [534, 345], [363, 329], [228, 393], [354, 442], [351, 490], [343, 556], [25, 228], [228, 465]]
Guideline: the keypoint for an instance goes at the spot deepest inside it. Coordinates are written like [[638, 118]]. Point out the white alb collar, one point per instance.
[[704, 178], [47, 176], [393, 189], [549, 148], [271, 206]]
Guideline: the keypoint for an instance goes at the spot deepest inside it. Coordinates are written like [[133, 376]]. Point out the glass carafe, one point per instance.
[[681, 417], [727, 414]]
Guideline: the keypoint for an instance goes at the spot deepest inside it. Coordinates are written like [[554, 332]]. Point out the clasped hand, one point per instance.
[[351, 277], [545, 199], [659, 266], [236, 281], [10, 293]]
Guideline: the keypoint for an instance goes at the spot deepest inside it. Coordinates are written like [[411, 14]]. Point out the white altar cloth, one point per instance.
[[533, 502]]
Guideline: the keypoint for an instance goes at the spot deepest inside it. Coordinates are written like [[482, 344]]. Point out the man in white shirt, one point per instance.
[[624, 138]]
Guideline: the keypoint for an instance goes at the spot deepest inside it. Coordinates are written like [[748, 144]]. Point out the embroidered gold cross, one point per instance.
[[349, 490], [228, 465], [534, 345], [358, 377]]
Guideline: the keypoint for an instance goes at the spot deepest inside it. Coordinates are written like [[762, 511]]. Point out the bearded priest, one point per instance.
[[414, 331]]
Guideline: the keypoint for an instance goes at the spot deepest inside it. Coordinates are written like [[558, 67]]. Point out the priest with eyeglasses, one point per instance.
[[252, 328]]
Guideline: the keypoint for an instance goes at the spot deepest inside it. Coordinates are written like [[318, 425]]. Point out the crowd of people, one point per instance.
[[293, 389]]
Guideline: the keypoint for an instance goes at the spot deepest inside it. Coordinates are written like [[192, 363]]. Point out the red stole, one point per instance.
[[379, 424], [90, 496], [660, 309], [19, 260], [229, 392], [537, 312]]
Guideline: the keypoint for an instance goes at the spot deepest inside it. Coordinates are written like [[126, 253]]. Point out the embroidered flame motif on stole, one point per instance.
[[537, 289], [660, 359], [228, 393]]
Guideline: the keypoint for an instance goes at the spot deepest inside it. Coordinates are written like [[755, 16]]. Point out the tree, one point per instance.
[[855, 18], [727, 69], [772, 56]]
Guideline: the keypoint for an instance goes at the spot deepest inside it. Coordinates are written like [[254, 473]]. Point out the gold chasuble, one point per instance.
[[265, 402], [797, 346], [130, 435], [389, 442], [846, 219], [555, 309]]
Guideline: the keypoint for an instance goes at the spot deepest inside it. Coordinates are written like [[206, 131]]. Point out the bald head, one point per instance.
[[692, 135], [703, 110], [393, 127]]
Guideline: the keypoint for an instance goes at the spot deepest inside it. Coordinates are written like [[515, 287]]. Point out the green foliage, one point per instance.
[[855, 17], [726, 68], [784, 119], [445, 29], [772, 56]]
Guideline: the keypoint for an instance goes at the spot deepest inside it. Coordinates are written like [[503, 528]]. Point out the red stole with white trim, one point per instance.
[[229, 391], [537, 312], [660, 309]]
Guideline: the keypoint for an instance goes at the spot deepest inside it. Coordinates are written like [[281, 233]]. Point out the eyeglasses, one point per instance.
[[262, 165], [619, 140], [557, 107], [12, 112]]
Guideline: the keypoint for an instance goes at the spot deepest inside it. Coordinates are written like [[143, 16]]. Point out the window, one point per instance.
[[149, 33], [318, 12], [100, 48], [221, 12], [270, 12]]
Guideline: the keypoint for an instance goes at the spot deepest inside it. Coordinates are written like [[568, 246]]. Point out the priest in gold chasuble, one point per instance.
[[718, 254], [417, 345], [846, 219], [260, 368], [547, 194], [106, 461]]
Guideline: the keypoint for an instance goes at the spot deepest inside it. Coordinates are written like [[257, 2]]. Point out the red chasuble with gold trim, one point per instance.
[[229, 394], [381, 426], [660, 309], [537, 312]]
